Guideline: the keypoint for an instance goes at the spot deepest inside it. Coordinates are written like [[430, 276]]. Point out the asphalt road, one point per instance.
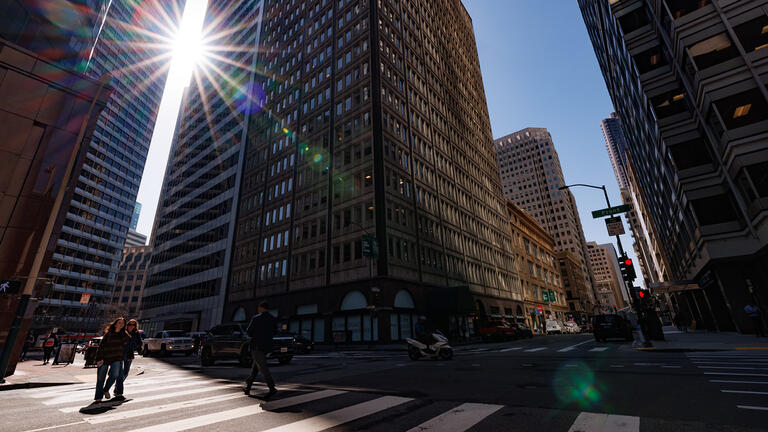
[[553, 383]]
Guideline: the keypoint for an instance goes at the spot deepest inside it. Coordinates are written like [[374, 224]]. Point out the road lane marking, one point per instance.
[[221, 416], [594, 422], [744, 392], [56, 427], [735, 374], [160, 408], [731, 367], [566, 349], [617, 366], [511, 349], [671, 367], [738, 382], [166, 395], [535, 349], [599, 349], [128, 391], [129, 382], [338, 417], [752, 407], [458, 419]]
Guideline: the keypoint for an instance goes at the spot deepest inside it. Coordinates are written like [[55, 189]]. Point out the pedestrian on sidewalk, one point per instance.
[[261, 329], [753, 312], [49, 345], [109, 358], [133, 345], [27, 344]]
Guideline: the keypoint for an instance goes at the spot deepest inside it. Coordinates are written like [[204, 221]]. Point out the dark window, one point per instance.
[[758, 173], [690, 154], [714, 210], [753, 34], [713, 51], [680, 8], [742, 109], [634, 20], [649, 60], [669, 103]]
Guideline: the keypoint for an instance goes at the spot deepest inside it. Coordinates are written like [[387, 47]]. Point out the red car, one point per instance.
[[496, 330]]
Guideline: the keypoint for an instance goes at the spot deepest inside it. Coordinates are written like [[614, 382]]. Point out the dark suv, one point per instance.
[[611, 326], [230, 342]]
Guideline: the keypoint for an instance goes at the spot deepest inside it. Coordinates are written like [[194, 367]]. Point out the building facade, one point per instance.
[[135, 238], [687, 79], [531, 174], [580, 296], [375, 124], [98, 216], [617, 148], [130, 281], [610, 288], [195, 220], [538, 269]]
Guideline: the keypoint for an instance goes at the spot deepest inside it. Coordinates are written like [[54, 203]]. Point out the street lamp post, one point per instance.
[[618, 243]]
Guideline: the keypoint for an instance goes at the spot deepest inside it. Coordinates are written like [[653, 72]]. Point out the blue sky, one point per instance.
[[539, 70]]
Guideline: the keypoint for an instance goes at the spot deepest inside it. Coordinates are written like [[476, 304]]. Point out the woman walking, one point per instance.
[[49, 345], [133, 345], [109, 357]]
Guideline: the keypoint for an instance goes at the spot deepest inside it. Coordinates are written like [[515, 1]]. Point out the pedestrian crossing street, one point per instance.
[[741, 376], [180, 401]]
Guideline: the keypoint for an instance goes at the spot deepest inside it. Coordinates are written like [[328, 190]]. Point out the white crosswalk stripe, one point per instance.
[[598, 349], [594, 422], [458, 419], [162, 395], [535, 349], [745, 367]]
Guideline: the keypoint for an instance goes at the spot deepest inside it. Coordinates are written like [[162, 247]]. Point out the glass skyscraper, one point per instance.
[[97, 219]]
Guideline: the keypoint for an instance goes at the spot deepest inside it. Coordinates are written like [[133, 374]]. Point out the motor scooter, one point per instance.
[[439, 349]]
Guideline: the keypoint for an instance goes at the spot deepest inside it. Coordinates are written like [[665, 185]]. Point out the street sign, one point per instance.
[[370, 246], [551, 296], [85, 298], [615, 226], [10, 287], [611, 211], [545, 296]]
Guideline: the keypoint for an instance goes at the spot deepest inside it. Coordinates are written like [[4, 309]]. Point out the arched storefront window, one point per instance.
[[355, 323], [239, 315], [402, 319]]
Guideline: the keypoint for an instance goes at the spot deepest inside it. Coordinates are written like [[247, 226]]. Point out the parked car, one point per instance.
[[554, 327], [496, 330], [301, 344], [611, 326], [521, 330], [168, 342], [230, 341], [571, 327]]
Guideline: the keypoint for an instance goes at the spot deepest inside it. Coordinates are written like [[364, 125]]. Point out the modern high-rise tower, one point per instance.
[[96, 222], [687, 80], [617, 148], [195, 220], [531, 174], [370, 192]]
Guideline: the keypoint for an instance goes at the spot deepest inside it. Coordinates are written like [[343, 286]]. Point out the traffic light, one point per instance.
[[627, 269]]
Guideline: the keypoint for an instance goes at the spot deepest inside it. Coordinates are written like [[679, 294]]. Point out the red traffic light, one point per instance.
[[641, 293], [627, 262]]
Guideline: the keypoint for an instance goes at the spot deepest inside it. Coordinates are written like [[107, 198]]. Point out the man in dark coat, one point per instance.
[[261, 329]]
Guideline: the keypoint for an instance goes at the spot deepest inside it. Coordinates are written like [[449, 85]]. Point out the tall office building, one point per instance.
[[130, 281], [135, 216], [375, 124], [687, 81], [99, 213], [617, 148], [609, 285], [531, 174], [195, 220]]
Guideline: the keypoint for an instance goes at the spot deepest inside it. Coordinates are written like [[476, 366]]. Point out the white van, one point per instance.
[[554, 327]]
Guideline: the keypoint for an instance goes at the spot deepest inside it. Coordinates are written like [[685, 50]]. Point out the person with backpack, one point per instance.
[[109, 358], [133, 345], [49, 345]]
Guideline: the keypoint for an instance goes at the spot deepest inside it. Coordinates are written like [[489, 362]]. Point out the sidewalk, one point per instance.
[[702, 340], [32, 373]]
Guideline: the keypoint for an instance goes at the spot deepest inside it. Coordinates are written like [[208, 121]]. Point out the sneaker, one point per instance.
[[271, 393], [118, 398], [106, 395]]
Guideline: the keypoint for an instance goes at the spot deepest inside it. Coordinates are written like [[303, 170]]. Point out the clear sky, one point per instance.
[[539, 70]]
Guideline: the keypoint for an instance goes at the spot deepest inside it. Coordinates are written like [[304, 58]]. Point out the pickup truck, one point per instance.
[[229, 341], [168, 342]]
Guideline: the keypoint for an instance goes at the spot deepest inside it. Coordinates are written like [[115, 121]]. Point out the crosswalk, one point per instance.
[[181, 400], [740, 375]]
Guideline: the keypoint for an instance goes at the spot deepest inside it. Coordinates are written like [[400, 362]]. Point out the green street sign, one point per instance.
[[370, 246], [545, 296], [551, 296], [611, 211]]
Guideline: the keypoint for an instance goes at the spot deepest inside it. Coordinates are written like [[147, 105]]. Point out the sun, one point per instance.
[[188, 48]]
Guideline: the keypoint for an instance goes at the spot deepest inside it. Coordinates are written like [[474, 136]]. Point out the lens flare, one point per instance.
[[577, 386]]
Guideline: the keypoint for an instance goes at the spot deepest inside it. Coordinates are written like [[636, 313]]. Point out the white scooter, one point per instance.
[[437, 350]]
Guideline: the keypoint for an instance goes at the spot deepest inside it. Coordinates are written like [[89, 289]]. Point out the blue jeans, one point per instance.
[[123, 375], [115, 369]]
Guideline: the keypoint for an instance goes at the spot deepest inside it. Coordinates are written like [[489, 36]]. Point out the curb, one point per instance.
[[30, 385]]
